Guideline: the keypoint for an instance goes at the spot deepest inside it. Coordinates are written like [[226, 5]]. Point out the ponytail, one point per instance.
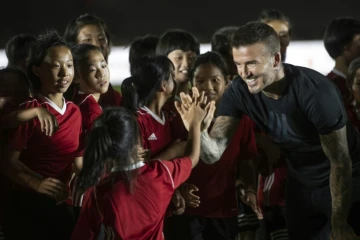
[[96, 155], [130, 98], [112, 143]]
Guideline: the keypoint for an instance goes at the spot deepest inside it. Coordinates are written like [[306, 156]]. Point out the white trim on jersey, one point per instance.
[[85, 99], [54, 106], [337, 72], [161, 121], [281, 234], [269, 181], [250, 219], [168, 171], [129, 167]]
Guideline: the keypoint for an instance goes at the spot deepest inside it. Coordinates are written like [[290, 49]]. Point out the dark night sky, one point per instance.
[[127, 19]]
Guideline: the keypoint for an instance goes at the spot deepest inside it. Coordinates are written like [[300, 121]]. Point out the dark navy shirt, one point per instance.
[[310, 105]]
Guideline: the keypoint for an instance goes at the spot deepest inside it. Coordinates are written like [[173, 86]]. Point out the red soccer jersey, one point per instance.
[[110, 98], [178, 130], [271, 190], [49, 156], [113, 211], [216, 182], [339, 79], [155, 131], [89, 108]]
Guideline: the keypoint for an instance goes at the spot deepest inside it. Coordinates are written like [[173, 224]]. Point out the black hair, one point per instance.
[[74, 27], [17, 48], [176, 39], [80, 52], [38, 51], [111, 143], [221, 39], [256, 32], [141, 87], [338, 33], [268, 15], [5, 87], [213, 58], [144, 46]]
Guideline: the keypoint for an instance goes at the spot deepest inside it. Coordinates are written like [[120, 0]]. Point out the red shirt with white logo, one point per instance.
[[216, 182], [111, 211], [155, 131]]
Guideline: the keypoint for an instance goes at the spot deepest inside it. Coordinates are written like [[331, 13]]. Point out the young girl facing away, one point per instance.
[[89, 29], [211, 212], [92, 78], [145, 93], [130, 203], [40, 165]]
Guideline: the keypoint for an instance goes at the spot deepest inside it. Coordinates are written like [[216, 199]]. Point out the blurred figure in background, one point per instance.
[[144, 46], [220, 43], [342, 42], [17, 50], [281, 24]]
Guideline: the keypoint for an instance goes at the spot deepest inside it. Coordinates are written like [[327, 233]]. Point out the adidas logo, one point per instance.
[[152, 137]]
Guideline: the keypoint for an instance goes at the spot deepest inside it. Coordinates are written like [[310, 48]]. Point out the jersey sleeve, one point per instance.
[[248, 147], [324, 107], [230, 101], [89, 112], [89, 222], [142, 128], [178, 170], [19, 136]]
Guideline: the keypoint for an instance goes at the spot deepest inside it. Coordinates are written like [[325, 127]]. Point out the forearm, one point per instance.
[[13, 119], [17, 171], [77, 166], [23, 178], [340, 187], [211, 148], [336, 149], [192, 148]]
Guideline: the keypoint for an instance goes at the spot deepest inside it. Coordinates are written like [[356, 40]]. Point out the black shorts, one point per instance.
[[36, 216], [200, 228], [247, 218], [273, 225]]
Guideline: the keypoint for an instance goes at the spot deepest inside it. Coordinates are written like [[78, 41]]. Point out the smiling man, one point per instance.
[[303, 113]]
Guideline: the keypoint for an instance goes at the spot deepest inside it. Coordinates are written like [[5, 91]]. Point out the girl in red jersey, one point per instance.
[[212, 214], [145, 93], [92, 77], [41, 165], [15, 89], [92, 30], [181, 47], [130, 203]]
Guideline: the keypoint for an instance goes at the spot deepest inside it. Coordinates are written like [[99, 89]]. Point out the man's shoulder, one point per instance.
[[307, 79]]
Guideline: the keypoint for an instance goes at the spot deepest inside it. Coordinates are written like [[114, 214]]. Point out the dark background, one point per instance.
[[127, 19]]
